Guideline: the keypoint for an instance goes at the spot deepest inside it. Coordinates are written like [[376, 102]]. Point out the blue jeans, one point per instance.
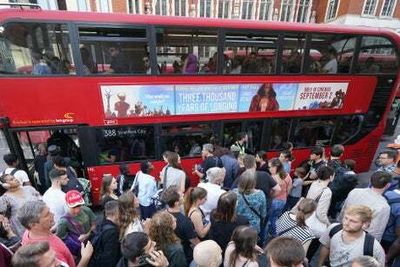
[[276, 211]]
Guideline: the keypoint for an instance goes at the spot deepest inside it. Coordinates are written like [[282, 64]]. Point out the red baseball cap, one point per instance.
[[74, 199]]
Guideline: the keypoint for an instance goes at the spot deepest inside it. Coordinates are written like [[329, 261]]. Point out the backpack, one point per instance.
[[392, 217], [96, 241], [368, 241]]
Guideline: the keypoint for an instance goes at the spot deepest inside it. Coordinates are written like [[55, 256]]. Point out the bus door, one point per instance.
[[31, 149]]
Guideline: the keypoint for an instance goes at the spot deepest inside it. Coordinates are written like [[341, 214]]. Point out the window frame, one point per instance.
[[78, 39], [363, 14], [328, 16], [392, 11], [288, 3], [99, 6]]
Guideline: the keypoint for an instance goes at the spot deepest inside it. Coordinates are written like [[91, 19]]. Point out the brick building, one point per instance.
[[382, 13]]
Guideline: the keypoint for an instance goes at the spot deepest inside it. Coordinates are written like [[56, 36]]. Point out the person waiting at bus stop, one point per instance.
[[209, 161], [146, 187]]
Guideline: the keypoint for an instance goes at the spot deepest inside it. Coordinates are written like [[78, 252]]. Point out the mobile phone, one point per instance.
[[143, 260]]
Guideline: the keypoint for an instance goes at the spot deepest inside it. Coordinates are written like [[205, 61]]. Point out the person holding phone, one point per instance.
[[139, 250]]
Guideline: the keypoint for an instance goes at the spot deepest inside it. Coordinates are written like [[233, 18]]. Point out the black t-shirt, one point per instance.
[[265, 183], [263, 168], [221, 232], [185, 231], [210, 162]]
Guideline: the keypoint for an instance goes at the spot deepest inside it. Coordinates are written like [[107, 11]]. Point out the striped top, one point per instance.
[[303, 234]]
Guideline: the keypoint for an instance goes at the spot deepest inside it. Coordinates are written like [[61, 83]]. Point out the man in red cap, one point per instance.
[[77, 223]]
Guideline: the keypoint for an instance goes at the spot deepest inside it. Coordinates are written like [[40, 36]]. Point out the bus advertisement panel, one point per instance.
[[164, 100]]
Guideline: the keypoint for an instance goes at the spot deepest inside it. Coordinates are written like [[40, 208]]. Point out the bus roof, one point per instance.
[[8, 14]]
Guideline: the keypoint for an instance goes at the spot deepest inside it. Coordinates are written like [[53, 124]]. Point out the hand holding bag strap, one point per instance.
[[165, 177]]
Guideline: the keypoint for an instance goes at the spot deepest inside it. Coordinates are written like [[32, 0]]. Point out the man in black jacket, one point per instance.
[[107, 250]]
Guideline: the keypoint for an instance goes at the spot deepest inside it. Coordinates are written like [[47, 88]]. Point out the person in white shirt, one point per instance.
[[372, 198], [146, 187], [12, 162], [172, 173], [331, 66], [54, 197], [216, 177]]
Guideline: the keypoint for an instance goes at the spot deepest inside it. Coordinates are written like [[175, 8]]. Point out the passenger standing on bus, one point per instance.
[[39, 161], [146, 186], [118, 63], [265, 99], [331, 66], [191, 65], [54, 151]]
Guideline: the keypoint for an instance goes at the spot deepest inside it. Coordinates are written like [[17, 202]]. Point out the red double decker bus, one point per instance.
[[115, 88]]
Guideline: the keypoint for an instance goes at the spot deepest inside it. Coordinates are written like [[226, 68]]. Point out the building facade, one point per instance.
[[381, 13]]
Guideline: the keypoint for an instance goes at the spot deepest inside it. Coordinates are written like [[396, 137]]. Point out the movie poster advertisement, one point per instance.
[[120, 101]]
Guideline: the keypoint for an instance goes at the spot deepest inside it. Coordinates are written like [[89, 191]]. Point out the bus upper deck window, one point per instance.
[[186, 51], [377, 55], [36, 49], [330, 54], [253, 53], [108, 50]]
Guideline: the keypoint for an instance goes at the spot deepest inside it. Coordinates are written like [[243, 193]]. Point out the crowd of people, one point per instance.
[[246, 211]]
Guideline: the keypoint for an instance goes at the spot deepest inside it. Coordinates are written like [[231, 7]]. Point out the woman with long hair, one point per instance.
[[107, 190], [243, 249], [129, 219], [224, 219], [193, 199], [251, 202], [293, 223], [172, 173], [278, 202], [265, 99], [162, 231]]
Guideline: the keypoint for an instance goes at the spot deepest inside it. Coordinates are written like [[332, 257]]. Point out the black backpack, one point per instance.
[[368, 241], [96, 240]]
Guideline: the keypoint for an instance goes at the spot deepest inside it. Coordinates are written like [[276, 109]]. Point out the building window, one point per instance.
[[303, 12], [266, 7], [82, 5], [103, 6], [247, 9], [47, 4], [180, 8], [332, 9], [224, 9], [161, 7], [388, 8], [205, 8], [287, 10], [369, 7], [134, 6]]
